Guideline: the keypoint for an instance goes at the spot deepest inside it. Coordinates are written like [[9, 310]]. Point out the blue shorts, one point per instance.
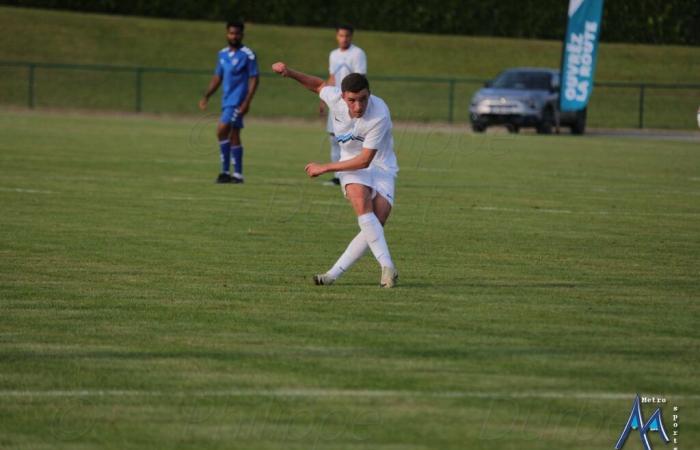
[[230, 116]]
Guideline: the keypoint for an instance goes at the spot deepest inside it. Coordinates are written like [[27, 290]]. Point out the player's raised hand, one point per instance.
[[314, 169], [280, 68]]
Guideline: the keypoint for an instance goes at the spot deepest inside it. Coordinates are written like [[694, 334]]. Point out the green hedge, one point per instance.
[[641, 21]]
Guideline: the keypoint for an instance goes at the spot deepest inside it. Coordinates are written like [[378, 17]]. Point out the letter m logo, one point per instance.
[[636, 422]]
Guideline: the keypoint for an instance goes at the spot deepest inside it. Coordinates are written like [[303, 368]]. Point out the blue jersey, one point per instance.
[[235, 68]]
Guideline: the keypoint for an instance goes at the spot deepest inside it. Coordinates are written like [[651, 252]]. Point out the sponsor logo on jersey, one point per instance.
[[343, 138]]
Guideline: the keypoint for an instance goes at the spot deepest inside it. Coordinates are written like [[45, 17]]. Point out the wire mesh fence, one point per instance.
[[176, 91]]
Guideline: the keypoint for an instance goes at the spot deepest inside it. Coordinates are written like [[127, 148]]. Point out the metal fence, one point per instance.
[[170, 90]]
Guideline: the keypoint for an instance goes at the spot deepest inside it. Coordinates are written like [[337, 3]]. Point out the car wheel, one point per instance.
[[546, 123], [478, 127], [579, 127]]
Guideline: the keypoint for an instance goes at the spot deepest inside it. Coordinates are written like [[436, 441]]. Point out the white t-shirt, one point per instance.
[[341, 63], [372, 130]]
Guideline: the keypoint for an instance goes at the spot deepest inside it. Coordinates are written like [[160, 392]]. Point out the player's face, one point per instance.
[[357, 102], [234, 36], [344, 38]]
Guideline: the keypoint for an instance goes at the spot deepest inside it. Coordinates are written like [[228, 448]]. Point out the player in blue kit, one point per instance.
[[237, 71]]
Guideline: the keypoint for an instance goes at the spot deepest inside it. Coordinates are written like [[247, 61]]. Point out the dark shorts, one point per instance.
[[230, 116]]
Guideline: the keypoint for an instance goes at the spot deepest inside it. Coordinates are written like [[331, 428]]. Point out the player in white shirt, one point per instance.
[[367, 166], [342, 61]]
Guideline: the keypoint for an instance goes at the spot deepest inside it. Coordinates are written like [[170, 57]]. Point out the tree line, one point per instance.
[[640, 21]]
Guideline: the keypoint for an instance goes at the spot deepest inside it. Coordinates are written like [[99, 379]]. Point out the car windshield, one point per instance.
[[523, 80]]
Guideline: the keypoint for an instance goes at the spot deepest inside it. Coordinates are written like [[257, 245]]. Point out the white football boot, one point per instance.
[[389, 277], [323, 279]]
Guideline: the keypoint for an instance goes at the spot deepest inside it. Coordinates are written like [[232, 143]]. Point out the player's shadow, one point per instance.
[[419, 284], [492, 285]]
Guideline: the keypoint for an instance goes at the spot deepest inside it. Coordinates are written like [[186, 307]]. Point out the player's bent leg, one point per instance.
[[382, 208], [236, 153], [360, 197], [222, 133], [382, 203], [372, 214], [374, 233], [354, 251], [384, 185], [235, 135], [357, 247]]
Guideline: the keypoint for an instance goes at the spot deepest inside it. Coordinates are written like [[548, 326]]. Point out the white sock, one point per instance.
[[355, 250], [374, 234]]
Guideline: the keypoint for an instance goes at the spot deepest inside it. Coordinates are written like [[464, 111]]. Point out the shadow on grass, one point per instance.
[[525, 285]]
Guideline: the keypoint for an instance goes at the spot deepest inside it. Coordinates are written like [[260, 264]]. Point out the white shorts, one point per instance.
[[380, 181]]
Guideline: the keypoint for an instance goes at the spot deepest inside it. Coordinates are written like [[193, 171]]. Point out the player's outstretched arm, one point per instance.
[[361, 161], [310, 82]]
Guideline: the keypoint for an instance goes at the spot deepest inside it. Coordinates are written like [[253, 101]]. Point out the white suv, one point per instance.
[[523, 97]]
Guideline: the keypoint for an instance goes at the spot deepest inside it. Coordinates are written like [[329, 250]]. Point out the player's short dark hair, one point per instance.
[[354, 82], [345, 26], [235, 24]]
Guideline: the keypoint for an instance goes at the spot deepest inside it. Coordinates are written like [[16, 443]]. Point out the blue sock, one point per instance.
[[225, 147], [237, 152]]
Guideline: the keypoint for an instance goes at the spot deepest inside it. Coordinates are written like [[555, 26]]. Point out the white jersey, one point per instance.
[[372, 130], [341, 63]]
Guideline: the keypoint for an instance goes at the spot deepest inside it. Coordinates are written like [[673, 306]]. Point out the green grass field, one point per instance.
[[35, 35], [544, 282]]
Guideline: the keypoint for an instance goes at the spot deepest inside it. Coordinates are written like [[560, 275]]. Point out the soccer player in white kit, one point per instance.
[[367, 166], [342, 61]]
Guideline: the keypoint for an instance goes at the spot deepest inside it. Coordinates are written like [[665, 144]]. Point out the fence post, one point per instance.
[[641, 105], [450, 112], [138, 106], [30, 88]]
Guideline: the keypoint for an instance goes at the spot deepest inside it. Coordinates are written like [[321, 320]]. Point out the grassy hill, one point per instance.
[[43, 35], [65, 37]]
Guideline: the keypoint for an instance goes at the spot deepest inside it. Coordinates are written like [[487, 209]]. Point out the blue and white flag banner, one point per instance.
[[580, 51]]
